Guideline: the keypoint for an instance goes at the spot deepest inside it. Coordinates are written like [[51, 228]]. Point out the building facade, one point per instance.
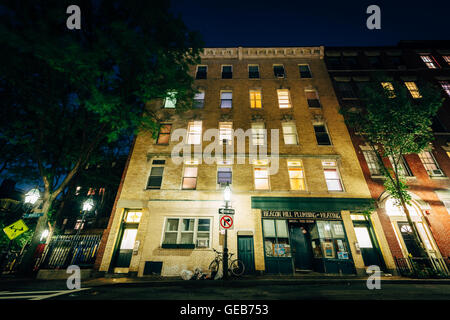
[[427, 173], [301, 209]]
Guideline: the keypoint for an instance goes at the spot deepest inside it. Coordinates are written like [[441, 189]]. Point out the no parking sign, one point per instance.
[[226, 222]]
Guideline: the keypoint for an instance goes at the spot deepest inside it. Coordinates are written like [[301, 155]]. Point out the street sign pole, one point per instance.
[[225, 252]]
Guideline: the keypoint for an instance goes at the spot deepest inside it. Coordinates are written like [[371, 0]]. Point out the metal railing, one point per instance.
[[423, 267], [66, 250]]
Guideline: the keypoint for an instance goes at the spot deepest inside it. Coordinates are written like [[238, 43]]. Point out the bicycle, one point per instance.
[[236, 267]]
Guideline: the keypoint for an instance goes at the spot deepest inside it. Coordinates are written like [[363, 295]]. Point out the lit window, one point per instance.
[[429, 62], [446, 59], [171, 100], [258, 134], [312, 98], [133, 217], [305, 72], [194, 132], [164, 134], [226, 99], [278, 71], [253, 71], [413, 90], [284, 100], [332, 177], [446, 86], [322, 137], [201, 72], [372, 162], [255, 99], [79, 225], [156, 174], [390, 89], [190, 178], [430, 164], [261, 178], [289, 133], [199, 99], [225, 132], [227, 72], [224, 176], [296, 176], [193, 231]]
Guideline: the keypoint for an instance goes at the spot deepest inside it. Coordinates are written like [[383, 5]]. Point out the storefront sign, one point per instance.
[[301, 215]]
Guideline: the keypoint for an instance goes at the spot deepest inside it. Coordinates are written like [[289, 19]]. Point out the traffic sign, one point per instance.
[[33, 215], [226, 211], [16, 229], [226, 222]]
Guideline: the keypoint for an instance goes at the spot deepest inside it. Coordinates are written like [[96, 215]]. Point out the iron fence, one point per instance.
[[425, 267], [66, 250]]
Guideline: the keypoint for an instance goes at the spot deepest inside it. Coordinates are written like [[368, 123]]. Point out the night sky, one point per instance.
[[314, 22]]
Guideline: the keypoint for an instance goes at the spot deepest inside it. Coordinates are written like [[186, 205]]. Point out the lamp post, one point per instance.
[[227, 199]]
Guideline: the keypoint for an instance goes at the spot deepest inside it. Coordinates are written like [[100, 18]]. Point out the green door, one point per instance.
[[246, 253], [301, 247], [125, 249], [369, 252]]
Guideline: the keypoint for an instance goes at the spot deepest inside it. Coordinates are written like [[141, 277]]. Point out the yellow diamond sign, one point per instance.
[[16, 229]]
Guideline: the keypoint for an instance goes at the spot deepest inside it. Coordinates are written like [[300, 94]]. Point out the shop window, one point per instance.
[[194, 134], [332, 176], [261, 178], [255, 99], [296, 175], [190, 178], [201, 72], [328, 240], [304, 70], [253, 71], [226, 99], [289, 133], [284, 100], [276, 238], [227, 72], [199, 99], [171, 100], [164, 134], [187, 232]]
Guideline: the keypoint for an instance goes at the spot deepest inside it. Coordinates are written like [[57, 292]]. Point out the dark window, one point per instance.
[[322, 135], [201, 72], [396, 60], [224, 175], [313, 99], [374, 61], [253, 72], [164, 134], [334, 61], [345, 89], [199, 99], [278, 71], [227, 72], [305, 72], [156, 174], [350, 61]]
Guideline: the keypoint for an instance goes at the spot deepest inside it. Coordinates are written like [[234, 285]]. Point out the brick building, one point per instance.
[[427, 174], [300, 210]]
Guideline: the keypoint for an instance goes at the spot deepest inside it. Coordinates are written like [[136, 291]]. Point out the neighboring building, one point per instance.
[[427, 174], [306, 216]]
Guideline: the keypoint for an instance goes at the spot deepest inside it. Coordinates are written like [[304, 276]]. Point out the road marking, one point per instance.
[[36, 295]]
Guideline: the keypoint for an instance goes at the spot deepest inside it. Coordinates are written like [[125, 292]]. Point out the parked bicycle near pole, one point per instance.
[[235, 267]]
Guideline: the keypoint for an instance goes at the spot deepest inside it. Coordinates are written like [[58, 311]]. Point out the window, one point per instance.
[[413, 90], [312, 98], [374, 61], [305, 72], [253, 71], [446, 86], [255, 99], [278, 71], [199, 99], [396, 60], [446, 59], [156, 174], [227, 72], [332, 177], [284, 100], [296, 176], [429, 61], [201, 72], [133, 217], [194, 132], [334, 61], [187, 231], [390, 89], [372, 162], [261, 178], [350, 61], [171, 100], [226, 99], [190, 178], [322, 136], [430, 164], [403, 168], [258, 134], [226, 132], [276, 238], [224, 176], [345, 89], [289, 133], [164, 134]]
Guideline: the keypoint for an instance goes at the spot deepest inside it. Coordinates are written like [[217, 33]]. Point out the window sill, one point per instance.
[[438, 178], [178, 246]]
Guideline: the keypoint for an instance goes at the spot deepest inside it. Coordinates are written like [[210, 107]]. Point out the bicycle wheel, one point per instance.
[[214, 266], [237, 267]]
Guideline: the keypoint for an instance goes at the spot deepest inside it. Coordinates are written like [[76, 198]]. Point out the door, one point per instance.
[[407, 235], [369, 253], [301, 247], [246, 253], [125, 250]]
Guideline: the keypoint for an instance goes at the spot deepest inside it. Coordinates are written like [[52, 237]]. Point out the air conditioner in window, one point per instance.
[[437, 172], [202, 243], [280, 76]]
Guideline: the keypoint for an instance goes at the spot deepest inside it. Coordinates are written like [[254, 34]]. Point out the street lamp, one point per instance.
[[227, 199], [88, 204], [32, 196]]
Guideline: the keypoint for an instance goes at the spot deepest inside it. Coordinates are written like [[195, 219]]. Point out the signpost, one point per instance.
[[33, 215], [16, 229], [226, 211], [226, 222]]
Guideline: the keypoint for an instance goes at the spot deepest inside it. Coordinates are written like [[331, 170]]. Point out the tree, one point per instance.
[[69, 92], [394, 124]]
